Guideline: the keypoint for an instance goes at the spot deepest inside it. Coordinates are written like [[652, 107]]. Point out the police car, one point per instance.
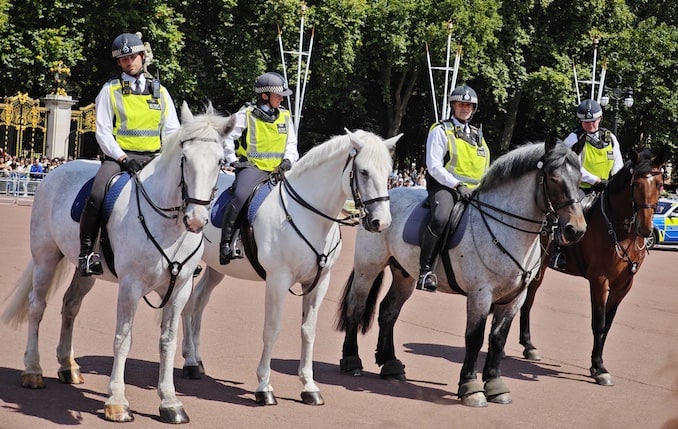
[[665, 222]]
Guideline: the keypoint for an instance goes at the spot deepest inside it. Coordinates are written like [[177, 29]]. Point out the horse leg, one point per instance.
[[171, 409], [471, 391], [276, 291], [34, 289], [69, 370], [610, 298], [192, 322], [401, 289], [116, 407], [496, 389], [530, 352], [311, 304]]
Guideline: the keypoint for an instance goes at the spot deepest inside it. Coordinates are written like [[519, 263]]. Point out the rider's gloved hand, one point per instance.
[[285, 165], [238, 165], [602, 184], [464, 192], [131, 165]]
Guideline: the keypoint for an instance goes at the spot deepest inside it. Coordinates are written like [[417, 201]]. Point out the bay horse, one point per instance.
[[154, 231], [296, 239], [492, 256], [610, 253]]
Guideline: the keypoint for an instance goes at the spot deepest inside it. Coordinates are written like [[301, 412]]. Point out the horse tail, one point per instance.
[[366, 317], [16, 310]]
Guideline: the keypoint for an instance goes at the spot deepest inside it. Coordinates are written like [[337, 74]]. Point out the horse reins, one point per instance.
[[174, 267], [359, 204]]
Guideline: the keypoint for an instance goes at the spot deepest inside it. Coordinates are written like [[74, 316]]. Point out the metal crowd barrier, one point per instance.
[[18, 187]]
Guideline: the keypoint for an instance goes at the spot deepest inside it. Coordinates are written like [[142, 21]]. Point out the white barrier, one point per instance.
[[18, 187]]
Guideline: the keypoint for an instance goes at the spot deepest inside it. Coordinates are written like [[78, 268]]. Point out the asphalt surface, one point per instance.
[[641, 353]]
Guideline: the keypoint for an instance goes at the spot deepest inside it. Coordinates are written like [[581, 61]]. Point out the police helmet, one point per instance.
[[589, 111], [464, 93], [271, 82], [127, 44]]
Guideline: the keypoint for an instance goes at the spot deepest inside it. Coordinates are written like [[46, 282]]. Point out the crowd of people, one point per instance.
[[36, 167]]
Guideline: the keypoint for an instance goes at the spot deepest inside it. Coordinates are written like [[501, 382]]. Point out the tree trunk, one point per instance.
[[510, 124]]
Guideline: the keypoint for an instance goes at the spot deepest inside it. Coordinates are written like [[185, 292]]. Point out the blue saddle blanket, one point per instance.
[[117, 183], [418, 219], [225, 197]]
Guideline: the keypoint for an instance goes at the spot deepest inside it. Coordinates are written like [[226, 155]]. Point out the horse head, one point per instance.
[[562, 173], [202, 154], [647, 181], [367, 180]]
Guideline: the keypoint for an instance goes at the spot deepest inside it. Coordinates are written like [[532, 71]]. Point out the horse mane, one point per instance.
[[642, 165], [335, 146], [523, 160]]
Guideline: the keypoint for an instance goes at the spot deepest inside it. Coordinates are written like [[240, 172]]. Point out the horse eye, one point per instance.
[[364, 173]]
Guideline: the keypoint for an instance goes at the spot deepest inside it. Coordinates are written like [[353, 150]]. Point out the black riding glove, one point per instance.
[[285, 165], [131, 165], [464, 192], [602, 184]]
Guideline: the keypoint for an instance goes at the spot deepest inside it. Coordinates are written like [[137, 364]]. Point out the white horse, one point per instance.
[[154, 230], [298, 241], [491, 258]]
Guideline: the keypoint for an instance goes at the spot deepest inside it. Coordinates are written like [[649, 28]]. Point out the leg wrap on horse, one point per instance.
[[470, 387], [496, 386]]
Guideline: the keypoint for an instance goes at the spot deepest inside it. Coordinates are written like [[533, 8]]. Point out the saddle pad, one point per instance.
[[80, 199], [419, 218], [219, 207], [114, 188]]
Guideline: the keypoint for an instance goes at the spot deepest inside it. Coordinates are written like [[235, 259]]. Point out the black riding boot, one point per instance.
[[227, 230], [558, 260], [88, 261], [429, 249]]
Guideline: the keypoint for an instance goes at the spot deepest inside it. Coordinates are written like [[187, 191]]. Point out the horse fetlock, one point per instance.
[[71, 376], [174, 415], [351, 365], [32, 380], [118, 413]]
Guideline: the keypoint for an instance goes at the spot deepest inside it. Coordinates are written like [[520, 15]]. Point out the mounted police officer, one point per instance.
[[133, 113], [262, 141], [456, 158], [600, 156]]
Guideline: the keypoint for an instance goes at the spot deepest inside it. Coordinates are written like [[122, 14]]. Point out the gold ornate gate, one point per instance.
[[85, 121], [23, 126]]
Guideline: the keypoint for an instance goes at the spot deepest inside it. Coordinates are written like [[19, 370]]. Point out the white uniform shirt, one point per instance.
[[104, 118]]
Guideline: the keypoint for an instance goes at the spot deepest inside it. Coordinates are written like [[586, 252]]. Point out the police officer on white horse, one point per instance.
[[456, 158], [132, 115], [266, 142]]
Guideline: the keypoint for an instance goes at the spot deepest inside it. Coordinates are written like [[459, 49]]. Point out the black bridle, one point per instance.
[[174, 267], [360, 205]]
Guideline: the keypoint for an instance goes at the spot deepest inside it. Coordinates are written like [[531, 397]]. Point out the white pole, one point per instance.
[[433, 88], [308, 63], [593, 70], [576, 82], [456, 67], [297, 95], [602, 80], [284, 65], [447, 70]]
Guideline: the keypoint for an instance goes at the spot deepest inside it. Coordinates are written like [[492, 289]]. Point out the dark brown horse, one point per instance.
[[611, 251]]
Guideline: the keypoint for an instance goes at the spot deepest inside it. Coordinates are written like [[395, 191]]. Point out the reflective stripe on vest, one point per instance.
[[265, 142], [467, 162], [598, 162], [138, 119]]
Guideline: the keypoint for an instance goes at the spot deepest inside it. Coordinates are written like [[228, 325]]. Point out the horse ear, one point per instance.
[[391, 143], [228, 127], [186, 114], [356, 141], [550, 141], [633, 155]]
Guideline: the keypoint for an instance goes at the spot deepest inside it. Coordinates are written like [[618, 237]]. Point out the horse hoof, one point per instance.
[[312, 398], [202, 367], [191, 372], [174, 415], [604, 379], [71, 376], [504, 398], [265, 398], [476, 400], [532, 355], [32, 381], [118, 413], [393, 370], [351, 365]]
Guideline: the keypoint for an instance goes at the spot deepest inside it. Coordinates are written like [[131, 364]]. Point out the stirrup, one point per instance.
[[90, 265], [558, 261], [428, 282], [225, 253]]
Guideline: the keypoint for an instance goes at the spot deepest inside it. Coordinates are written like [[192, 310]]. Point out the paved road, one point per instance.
[[642, 354]]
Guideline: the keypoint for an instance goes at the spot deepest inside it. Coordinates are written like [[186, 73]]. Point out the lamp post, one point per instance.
[[616, 92]]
